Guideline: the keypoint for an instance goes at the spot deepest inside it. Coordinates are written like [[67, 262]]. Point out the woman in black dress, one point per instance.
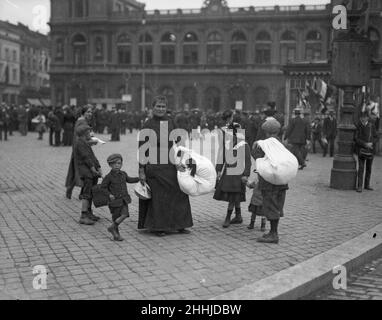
[[169, 208]]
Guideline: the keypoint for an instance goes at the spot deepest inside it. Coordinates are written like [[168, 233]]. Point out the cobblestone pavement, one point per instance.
[[39, 226], [363, 284]]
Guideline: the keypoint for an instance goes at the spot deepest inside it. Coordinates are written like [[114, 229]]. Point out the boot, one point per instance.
[[85, 219], [263, 223], [227, 219], [119, 236], [113, 230], [92, 216], [238, 218], [271, 237], [251, 225]]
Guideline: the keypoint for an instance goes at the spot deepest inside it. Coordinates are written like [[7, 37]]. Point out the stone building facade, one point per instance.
[[25, 64], [215, 57]]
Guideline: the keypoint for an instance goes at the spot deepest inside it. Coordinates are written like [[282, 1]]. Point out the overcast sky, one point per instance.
[[31, 12]]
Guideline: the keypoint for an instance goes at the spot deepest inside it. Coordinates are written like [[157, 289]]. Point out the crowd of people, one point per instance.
[[169, 208]]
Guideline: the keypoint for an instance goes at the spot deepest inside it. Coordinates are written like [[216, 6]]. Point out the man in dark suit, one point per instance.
[[297, 134], [329, 132]]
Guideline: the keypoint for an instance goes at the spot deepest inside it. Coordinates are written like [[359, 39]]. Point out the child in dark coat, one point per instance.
[[89, 171], [273, 195], [232, 187], [115, 183]]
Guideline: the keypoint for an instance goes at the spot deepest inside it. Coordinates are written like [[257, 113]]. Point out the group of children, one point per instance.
[[267, 201]]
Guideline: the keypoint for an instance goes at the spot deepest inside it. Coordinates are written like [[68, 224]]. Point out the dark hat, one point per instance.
[[271, 126], [297, 111], [82, 129], [114, 157]]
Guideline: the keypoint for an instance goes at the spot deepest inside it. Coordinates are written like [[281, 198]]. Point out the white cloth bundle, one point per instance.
[[205, 177], [279, 166]]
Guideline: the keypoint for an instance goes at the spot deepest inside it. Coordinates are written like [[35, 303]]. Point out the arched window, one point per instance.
[[99, 89], [168, 92], [168, 43], [190, 49], [189, 98], [288, 47], [79, 49], [263, 48], [238, 48], [375, 42], [313, 46], [124, 49], [212, 99], [59, 49], [236, 94], [98, 46], [214, 48], [146, 49], [260, 96]]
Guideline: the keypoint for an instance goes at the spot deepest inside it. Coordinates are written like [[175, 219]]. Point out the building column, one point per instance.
[[275, 46], [287, 100]]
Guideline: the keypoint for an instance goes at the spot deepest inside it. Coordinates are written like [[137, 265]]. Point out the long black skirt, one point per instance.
[[169, 208], [73, 177]]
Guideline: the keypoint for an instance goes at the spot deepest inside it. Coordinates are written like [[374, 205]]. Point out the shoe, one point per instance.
[[251, 225], [93, 217], [113, 230], [369, 188], [68, 195], [160, 234], [237, 220], [269, 238], [302, 167], [359, 189], [85, 219], [227, 220], [184, 231], [119, 236]]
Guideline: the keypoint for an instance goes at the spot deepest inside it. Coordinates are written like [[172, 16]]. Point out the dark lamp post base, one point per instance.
[[344, 173]]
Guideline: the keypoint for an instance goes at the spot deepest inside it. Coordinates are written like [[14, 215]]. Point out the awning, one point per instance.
[[35, 102]]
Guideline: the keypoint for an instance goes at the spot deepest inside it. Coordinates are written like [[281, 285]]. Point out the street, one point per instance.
[[39, 226]]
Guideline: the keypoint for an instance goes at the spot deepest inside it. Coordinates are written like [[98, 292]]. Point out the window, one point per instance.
[[14, 75], [214, 48], [313, 46], [59, 50], [263, 48], [79, 50], [80, 8], [238, 48], [124, 49], [190, 49], [14, 53], [288, 47], [169, 94], [375, 42], [7, 54], [98, 48], [145, 49], [168, 42]]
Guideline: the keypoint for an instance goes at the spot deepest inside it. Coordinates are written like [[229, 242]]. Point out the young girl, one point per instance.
[[256, 205], [115, 183], [232, 188]]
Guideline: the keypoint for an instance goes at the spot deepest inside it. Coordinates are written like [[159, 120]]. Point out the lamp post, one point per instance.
[[350, 70], [143, 92]]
